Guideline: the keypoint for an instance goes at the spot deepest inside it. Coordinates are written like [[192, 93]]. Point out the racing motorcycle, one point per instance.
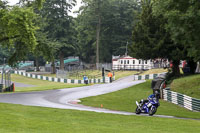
[[147, 106]]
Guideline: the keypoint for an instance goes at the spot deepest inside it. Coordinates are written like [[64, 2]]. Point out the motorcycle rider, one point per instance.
[[150, 105], [151, 97]]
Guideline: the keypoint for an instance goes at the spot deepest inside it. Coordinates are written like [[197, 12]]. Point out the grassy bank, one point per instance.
[[189, 85], [124, 100], [39, 85], [26, 119], [95, 74], [98, 74], [153, 71], [79, 74], [121, 74]]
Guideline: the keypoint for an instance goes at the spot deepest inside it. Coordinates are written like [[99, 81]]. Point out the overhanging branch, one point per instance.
[[7, 38]]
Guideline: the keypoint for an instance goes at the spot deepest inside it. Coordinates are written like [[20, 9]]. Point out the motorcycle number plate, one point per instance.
[[149, 104]]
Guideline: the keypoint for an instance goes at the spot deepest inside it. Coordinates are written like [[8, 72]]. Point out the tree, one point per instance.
[[118, 26], [184, 25], [17, 30], [31, 3], [59, 26], [4, 54], [92, 13], [112, 32], [151, 39]]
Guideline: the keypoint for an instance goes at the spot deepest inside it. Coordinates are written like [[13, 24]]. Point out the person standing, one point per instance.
[[85, 78], [110, 76]]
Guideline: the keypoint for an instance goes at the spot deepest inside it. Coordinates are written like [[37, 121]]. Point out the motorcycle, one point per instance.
[[149, 106]]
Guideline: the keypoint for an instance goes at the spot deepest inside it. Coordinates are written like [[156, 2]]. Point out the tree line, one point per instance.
[[43, 30], [168, 29]]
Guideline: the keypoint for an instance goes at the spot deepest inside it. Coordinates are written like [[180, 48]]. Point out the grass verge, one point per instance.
[[39, 85], [124, 100], [121, 74], [189, 85], [153, 71], [27, 119], [96, 74]]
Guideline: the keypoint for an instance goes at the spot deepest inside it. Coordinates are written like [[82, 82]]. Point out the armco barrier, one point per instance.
[[185, 101], [76, 81], [146, 77], [61, 80]]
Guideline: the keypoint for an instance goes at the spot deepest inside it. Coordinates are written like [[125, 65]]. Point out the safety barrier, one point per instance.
[[76, 81], [61, 80], [146, 77], [185, 101]]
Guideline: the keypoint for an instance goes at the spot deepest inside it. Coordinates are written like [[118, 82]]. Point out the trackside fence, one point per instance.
[[76, 81], [62, 80], [185, 101], [146, 77]]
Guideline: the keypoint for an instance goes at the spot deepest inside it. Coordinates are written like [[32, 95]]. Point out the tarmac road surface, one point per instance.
[[65, 98], [62, 98], [19, 84]]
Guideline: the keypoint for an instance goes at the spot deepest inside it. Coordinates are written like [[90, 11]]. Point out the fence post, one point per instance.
[[1, 87], [13, 87]]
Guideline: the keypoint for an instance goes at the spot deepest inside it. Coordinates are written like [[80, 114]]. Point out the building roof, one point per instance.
[[68, 61], [122, 57]]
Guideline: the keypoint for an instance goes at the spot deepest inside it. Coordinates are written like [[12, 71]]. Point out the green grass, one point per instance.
[[124, 100], [121, 74], [95, 74], [27, 119], [40, 85], [189, 85], [153, 71], [79, 74]]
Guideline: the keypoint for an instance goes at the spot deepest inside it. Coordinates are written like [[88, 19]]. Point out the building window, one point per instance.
[[124, 61], [139, 61], [133, 61], [145, 61], [127, 61], [121, 61]]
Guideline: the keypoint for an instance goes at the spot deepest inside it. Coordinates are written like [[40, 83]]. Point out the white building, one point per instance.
[[130, 63]]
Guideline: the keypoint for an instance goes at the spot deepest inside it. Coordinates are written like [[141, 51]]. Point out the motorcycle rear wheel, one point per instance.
[[137, 110]]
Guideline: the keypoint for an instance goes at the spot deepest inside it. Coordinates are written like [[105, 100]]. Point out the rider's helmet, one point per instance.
[[157, 94]]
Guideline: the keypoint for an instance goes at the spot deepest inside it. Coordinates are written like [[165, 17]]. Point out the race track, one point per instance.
[[64, 98]]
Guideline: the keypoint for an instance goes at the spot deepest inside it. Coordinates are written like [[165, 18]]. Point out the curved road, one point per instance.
[[64, 98]]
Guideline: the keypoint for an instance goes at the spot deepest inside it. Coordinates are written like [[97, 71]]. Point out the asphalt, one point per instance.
[[67, 98]]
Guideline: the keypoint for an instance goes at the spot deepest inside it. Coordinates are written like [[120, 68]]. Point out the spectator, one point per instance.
[[85, 78], [110, 76]]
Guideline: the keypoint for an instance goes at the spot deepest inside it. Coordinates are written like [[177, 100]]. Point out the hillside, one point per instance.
[[189, 85]]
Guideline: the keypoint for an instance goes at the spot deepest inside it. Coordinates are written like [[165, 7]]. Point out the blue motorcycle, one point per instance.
[[148, 106]]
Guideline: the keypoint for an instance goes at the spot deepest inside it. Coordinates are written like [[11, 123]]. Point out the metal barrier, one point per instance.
[[62, 80], [5, 83], [185, 101], [148, 76]]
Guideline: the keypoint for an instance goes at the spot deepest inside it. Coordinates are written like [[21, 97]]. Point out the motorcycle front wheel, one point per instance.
[[137, 111], [152, 111]]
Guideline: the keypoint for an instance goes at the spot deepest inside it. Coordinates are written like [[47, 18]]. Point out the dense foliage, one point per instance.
[[168, 29], [102, 29], [114, 19], [152, 29], [17, 30]]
